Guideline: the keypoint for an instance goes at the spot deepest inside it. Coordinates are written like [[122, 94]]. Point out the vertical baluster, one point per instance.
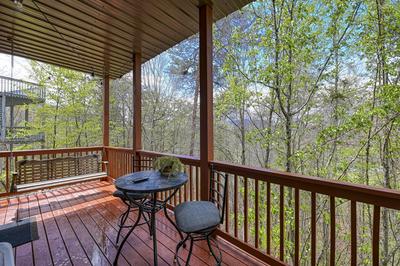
[[296, 227], [110, 163], [185, 187], [282, 222], [256, 220], [119, 157], [313, 228], [245, 211], [130, 166], [217, 187], [375, 235], [124, 165], [227, 206], [197, 184], [114, 164], [7, 173], [268, 226], [235, 204], [353, 210], [175, 197], [191, 182], [180, 195], [128, 162], [333, 231]]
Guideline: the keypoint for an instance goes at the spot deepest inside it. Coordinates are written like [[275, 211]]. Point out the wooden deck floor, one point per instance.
[[77, 226]]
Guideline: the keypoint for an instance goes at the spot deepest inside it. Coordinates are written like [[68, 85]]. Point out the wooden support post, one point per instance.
[[12, 118], [26, 116], [137, 106], [106, 111], [106, 118], [206, 97], [12, 131], [3, 117]]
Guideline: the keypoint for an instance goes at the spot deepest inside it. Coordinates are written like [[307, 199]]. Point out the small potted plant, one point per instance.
[[168, 165]]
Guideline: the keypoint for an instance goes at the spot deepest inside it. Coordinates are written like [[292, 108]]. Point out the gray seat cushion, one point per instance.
[[136, 196], [196, 216]]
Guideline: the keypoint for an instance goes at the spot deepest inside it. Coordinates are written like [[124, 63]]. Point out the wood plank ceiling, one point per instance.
[[100, 35]]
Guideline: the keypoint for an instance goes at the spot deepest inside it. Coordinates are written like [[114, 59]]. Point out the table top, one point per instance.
[[155, 183]]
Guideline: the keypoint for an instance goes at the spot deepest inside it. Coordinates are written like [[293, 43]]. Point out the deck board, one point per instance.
[[24, 252], [58, 251], [41, 250], [95, 255], [77, 225], [71, 241]]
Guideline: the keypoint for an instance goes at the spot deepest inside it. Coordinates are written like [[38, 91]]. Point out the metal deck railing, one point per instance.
[[21, 88]]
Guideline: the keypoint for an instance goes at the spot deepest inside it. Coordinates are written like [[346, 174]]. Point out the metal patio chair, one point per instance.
[[139, 197], [199, 219], [136, 199]]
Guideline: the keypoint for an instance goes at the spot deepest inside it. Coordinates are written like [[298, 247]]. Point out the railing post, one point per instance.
[[106, 111], [106, 118], [137, 106], [206, 97], [8, 189], [26, 115]]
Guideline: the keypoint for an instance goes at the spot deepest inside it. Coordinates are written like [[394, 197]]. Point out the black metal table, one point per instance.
[[154, 184]]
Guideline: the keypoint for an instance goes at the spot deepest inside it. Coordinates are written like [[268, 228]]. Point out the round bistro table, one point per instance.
[[154, 184]]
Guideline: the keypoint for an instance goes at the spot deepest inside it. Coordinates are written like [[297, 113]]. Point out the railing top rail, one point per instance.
[[49, 151], [383, 197], [128, 150], [20, 80], [186, 159]]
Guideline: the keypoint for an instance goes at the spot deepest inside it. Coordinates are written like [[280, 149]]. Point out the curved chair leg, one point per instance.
[[123, 219], [126, 237], [172, 222], [180, 244], [190, 251], [217, 259]]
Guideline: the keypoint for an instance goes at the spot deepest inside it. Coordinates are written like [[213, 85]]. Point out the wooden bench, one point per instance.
[[37, 174]]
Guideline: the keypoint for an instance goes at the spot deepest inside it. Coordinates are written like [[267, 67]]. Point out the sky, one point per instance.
[[22, 68]]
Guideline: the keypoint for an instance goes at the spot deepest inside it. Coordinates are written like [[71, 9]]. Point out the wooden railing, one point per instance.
[[275, 216], [318, 197], [268, 211], [8, 160], [120, 161]]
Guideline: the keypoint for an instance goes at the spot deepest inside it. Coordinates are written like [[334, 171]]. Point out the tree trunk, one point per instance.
[[269, 132], [381, 54], [242, 135], [194, 116], [55, 123]]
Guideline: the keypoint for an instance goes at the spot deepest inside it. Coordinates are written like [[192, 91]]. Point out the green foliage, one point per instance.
[[168, 165], [71, 115]]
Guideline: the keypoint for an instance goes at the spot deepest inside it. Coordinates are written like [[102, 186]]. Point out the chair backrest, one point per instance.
[[218, 191], [141, 164]]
